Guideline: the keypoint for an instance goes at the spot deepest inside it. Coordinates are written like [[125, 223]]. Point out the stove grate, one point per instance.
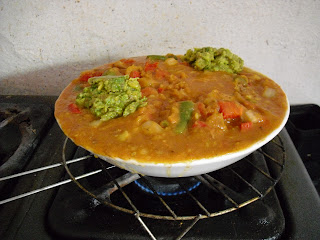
[[251, 193], [237, 200]]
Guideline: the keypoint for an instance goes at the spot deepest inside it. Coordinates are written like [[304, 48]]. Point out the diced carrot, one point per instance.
[[127, 61], [148, 91], [202, 109], [161, 74], [200, 124], [230, 109], [85, 75], [245, 126], [135, 74], [150, 66], [73, 108]]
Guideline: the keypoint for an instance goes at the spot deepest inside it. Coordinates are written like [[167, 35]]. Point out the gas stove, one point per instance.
[[52, 189]]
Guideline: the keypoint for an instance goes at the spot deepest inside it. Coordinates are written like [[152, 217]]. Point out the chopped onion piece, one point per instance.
[[252, 116], [151, 127], [124, 136], [171, 61], [269, 92], [96, 123]]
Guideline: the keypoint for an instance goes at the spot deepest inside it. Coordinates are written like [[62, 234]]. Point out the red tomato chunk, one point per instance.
[[150, 66], [135, 74], [84, 76], [73, 108], [245, 126], [230, 109]]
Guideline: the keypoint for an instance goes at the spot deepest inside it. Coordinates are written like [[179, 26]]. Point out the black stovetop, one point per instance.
[[45, 215]]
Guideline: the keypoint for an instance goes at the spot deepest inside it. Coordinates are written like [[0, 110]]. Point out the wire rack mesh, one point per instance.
[[248, 189]]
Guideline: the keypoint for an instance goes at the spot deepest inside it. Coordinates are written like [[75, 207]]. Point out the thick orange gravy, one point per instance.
[[231, 112]]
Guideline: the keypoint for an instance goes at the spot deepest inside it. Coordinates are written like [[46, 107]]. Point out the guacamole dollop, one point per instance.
[[213, 59], [110, 96]]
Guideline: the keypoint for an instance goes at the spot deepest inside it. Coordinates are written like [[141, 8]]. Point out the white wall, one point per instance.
[[45, 44]]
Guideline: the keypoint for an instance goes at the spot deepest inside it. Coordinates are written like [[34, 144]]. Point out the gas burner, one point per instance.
[[21, 126], [20, 129], [167, 186]]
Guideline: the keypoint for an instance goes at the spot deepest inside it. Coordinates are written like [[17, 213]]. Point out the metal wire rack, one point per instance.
[[273, 154]]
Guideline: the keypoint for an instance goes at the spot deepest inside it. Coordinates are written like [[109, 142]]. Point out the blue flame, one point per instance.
[[167, 193]]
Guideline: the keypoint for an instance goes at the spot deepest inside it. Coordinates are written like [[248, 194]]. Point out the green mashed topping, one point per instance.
[[213, 59], [110, 96]]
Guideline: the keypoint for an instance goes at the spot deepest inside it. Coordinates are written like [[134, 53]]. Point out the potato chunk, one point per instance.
[[252, 116], [151, 128]]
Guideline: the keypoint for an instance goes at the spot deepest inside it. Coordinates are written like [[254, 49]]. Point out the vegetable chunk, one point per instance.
[[186, 109], [110, 96], [214, 59], [245, 126], [230, 109]]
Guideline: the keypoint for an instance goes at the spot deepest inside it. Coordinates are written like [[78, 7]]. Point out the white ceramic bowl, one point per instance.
[[196, 167]]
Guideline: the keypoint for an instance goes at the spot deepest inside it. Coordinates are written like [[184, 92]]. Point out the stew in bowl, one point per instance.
[[171, 116]]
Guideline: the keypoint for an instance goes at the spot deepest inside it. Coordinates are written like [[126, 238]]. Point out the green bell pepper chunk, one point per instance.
[[156, 57], [186, 109]]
